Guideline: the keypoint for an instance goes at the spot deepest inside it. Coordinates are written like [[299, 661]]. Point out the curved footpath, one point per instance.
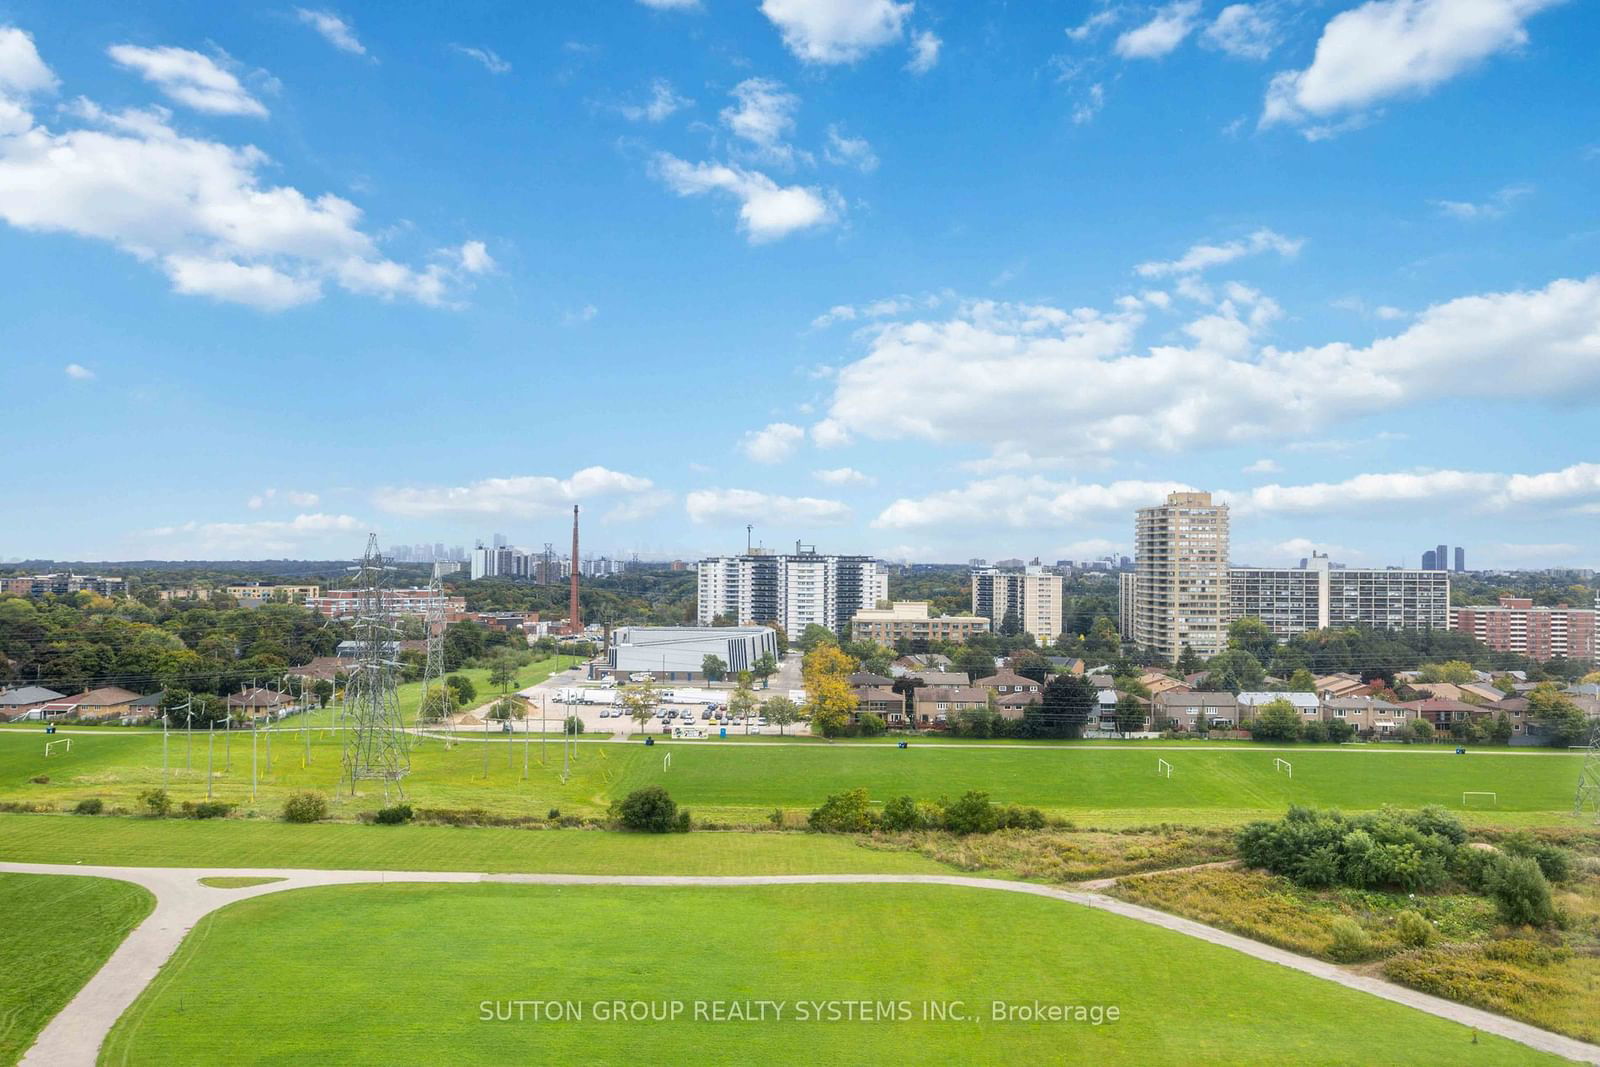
[[73, 1038]]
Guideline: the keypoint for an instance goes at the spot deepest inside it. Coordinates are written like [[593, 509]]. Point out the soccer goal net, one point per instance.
[[1163, 768], [1480, 798], [64, 744], [1283, 765]]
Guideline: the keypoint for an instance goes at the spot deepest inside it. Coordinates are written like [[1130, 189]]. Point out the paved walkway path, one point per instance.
[[73, 1038]]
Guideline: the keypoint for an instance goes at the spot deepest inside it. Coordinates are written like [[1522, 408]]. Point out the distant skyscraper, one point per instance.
[[1428, 561], [500, 540], [1461, 560], [1441, 557]]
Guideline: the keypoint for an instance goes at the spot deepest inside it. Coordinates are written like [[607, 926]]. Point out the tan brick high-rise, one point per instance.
[[1180, 586]]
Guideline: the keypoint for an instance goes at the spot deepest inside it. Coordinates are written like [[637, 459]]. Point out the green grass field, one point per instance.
[[742, 783], [415, 965], [54, 934], [139, 842]]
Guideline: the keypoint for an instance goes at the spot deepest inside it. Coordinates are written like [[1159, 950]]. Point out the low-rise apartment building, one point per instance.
[[912, 620], [346, 603], [258, 592], [37, 585], [1318, 595], [1515, 625]]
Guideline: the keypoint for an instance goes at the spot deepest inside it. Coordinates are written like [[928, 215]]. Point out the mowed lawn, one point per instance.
[[225, 843], [384, 974], [55, 932], [744, 782]]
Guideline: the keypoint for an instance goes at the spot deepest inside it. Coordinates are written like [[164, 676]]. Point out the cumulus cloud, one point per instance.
[[746, 505], [843, 476], [1028, 377], [335, 30], [772, 444], [22, 72], [189, 78], [196, 209], [524, 497], [762, 118], [845, 151], [1493, 208], [664, 102], [1264, 466], [767, 210], [925, 45], [1387, 48], [1162, 34], [1204, 256], [1089, 105], [1481, 490], [263, 538], [79, 373], [1244, 31], [1093, 24], [1021, 501], [297, 497], [836, 31], [487, 56]]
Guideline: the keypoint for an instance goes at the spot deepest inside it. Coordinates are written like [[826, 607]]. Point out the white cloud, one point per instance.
[[843, 476], [645, 505], [1244, 31], [197, 209], [672, 5], [1385, 48], [1264, 466], [474, 257], [268, 536], [763, 118], [1087, 108], [1161, 34], [745, 505], [1019, 501], [1042, 379], [487, 56], [1492, 208], [1203, 256], [335, 30], [845, 151], [1480, 490], [189, 78], [925, 46], [664, 102], [767, 210], [1093, 24], [22, 72], [773, 443], [836, 31], [587, 313], [79, 373], [525, 497], [887, 307], [298, 498]]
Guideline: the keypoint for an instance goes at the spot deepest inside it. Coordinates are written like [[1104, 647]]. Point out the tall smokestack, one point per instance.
[[575, 619]]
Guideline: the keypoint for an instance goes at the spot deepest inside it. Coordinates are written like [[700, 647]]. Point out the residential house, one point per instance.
[[1159, 683], [1443, 713], [1008, 681], [923, 661], [258, 703], [107, 702], [1307, 704], [1016, 705], [1369, 715], [1483, 691], [1341, 684], [882, 702], [1183, 709], [1065, 664], [861, 678], [945, 678], [24, 702], [934, 704], [322, 668]]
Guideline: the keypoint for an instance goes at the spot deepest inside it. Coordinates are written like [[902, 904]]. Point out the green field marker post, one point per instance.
[[211, 746]]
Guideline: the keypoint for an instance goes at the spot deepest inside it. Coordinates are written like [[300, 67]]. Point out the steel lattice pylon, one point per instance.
[[1589, 777], [433, 673], [376, 745]]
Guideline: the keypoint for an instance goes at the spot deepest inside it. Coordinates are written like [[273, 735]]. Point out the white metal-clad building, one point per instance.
[[678, 652]]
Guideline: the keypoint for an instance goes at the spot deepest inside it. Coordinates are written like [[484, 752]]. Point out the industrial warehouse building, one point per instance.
[[677, 653]]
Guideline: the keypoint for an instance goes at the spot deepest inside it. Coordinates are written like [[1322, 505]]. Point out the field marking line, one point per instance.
[[73, 1038]]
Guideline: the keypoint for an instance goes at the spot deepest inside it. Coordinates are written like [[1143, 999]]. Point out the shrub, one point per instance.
[[775, 817], [574, 725], [1396, 849], [649, 809], [91, 806], [207, 809], [1520, 892], [394, 815], [871, 724], [156, 801], [1012, 817], [553, 814], [972, 814], [1412, 929], [843, 813], [306, 807], [901, 814], [40, 779], [1350, 943], [1554, 861], [682, 822], [1314, 732]]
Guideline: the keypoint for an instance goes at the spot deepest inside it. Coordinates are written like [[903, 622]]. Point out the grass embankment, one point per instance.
[[415, 965], [227, 882], [1549, 978], [55, 933], [140, 842], [1097, 786]]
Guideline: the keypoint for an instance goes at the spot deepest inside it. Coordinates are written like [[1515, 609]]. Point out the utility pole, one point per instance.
[[211, 746]]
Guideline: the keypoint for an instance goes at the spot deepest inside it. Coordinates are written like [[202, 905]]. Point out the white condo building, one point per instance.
[[1319, 595], [795, 591], [1033, 595]]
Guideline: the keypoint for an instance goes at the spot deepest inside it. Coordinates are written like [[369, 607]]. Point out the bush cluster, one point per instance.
[[156, 801], [91, 806], [394, 815], [1392, 849], [305, 807], [206, 809], [972, 813], [652, 810]]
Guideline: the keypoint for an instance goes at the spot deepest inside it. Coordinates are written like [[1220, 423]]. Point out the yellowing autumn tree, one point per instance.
[[829, 698]]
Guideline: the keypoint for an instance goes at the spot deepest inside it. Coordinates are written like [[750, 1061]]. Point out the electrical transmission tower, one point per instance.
[[376, 745], [1589, 777], [433, 673]]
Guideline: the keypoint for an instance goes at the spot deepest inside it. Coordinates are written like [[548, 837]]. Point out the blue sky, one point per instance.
[[930, 280]]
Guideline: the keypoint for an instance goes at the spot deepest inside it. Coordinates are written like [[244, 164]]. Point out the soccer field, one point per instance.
[[744, 782], [427, 973]]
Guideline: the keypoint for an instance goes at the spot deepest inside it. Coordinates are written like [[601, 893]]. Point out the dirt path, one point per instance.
[[73, 1038], [1106, 883]]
